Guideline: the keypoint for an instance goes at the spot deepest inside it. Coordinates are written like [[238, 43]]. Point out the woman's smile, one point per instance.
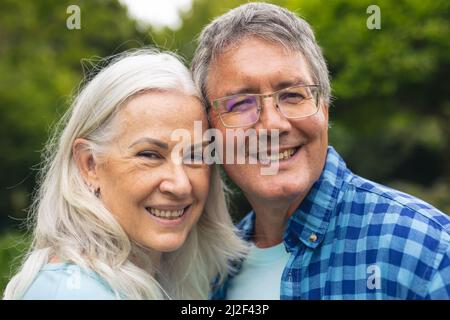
[[168, 215]]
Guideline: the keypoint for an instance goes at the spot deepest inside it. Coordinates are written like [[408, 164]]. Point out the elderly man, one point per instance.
[[317, 231]]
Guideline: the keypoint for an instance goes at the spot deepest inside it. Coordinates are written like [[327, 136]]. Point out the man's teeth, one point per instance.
[[166, 214], [286, 154]]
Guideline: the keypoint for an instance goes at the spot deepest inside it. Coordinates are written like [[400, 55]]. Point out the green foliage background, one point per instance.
[[390, 118]]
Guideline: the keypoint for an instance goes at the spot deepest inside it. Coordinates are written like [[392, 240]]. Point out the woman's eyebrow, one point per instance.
[[156, 142]]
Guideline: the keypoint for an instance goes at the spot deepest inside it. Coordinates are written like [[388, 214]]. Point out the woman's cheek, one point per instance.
[[200, 182]]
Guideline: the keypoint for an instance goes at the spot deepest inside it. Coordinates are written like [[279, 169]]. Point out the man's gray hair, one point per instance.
[[269, 22]]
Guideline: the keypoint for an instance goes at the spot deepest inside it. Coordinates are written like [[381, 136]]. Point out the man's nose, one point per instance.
[[271, 117], [176, 182]]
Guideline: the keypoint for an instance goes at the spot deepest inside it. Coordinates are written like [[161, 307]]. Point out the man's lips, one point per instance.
[[282, 154]]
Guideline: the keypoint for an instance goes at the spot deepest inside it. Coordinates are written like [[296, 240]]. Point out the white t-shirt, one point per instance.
[[260, 275]]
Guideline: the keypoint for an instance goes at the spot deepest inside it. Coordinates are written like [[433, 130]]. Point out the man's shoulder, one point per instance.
[[403, 230], [407, 237], [369, 197]]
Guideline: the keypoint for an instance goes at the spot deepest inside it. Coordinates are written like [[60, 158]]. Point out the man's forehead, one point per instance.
[[252, 77], [243, 50], [233, 43]]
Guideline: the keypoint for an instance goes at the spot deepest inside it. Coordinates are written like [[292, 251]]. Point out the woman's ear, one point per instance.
[[85, 162]]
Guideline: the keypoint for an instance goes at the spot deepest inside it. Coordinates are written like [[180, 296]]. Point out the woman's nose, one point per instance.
[[176, 182]]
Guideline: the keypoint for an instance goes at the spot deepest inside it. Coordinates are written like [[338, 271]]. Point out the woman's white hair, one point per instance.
[[71, 223]]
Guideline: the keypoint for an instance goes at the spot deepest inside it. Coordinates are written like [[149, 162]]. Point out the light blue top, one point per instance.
[[65, 281], [260, 276]]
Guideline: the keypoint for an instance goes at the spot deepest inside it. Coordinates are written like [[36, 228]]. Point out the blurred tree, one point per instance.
[[13, 246], [391, 85], [39, 67]]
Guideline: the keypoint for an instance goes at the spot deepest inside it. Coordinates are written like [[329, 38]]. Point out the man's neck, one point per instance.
[[271, 219]]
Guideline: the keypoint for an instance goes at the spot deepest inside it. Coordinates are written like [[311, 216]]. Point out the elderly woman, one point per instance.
[[115, 216]]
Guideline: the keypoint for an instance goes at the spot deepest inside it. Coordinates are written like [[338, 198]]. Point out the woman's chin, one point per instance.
[[165, 245]]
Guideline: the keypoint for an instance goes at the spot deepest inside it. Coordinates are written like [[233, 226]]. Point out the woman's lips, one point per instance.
[[168, 214]]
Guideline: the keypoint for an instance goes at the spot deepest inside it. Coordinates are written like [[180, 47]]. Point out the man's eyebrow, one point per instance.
[[278, 86], [156, 142], [298, 81], [242, 90]]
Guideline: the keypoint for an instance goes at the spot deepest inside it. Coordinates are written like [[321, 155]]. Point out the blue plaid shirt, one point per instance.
[[355, 239]]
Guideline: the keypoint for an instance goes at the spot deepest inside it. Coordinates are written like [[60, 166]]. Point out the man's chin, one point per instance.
[[281, 193]]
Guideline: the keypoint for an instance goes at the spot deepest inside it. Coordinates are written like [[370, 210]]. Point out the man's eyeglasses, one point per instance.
[[243, 110]]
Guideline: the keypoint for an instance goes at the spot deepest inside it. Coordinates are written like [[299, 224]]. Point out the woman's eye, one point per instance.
[[149, 154]]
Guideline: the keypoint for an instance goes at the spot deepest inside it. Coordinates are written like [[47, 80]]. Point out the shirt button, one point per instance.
[[313, 237]]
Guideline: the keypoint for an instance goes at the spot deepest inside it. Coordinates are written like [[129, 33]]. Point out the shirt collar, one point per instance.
[[246, 226], [309, 222]]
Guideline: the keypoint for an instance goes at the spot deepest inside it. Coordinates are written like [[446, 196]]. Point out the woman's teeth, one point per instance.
[[166, 214]]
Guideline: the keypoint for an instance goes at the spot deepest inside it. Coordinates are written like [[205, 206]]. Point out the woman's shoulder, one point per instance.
[[65, 281]]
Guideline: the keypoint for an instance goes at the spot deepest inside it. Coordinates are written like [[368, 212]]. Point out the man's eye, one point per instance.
[[240, 104], [291, 97], [149, 154]]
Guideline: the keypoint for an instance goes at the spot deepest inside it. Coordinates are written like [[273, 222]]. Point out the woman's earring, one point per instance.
[[97, 192], [94, 190]]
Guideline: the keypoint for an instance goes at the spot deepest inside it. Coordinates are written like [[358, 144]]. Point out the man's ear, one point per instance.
[[85, 162], [213, 118], [324, 109]]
